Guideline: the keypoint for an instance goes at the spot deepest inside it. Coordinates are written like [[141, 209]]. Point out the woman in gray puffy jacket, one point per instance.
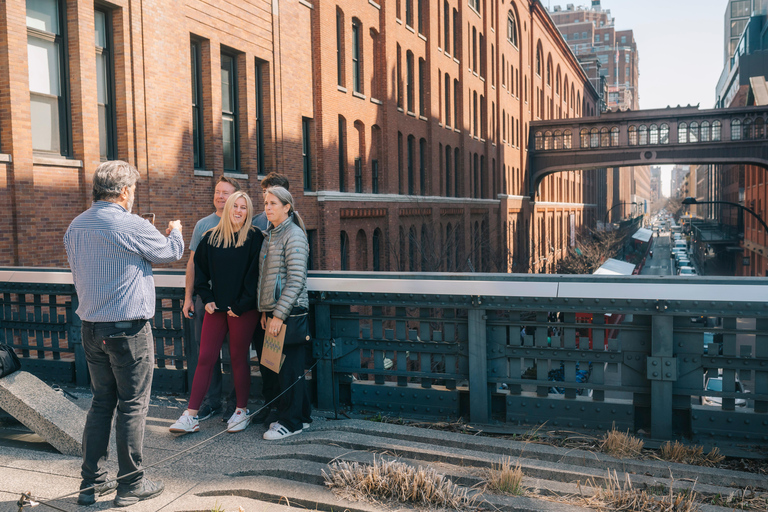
[[282, 298]]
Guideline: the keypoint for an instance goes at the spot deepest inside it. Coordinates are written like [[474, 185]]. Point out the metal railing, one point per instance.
[[574, 351]]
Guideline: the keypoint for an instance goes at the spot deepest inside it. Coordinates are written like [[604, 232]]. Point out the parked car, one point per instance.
[[687, 271], [716, 384]]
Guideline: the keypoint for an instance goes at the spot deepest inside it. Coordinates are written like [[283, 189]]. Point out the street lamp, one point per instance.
[[614, 206], [693, 200]]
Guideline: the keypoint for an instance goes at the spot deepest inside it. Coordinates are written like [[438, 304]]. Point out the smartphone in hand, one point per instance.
[[149, 216]]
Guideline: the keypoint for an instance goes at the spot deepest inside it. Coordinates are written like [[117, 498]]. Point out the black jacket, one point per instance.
[[229, 277]]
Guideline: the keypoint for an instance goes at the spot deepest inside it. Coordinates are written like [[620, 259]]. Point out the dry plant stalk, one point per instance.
[[505, 478], [620, 444], [690, 454], [616, 496], [395, 481]]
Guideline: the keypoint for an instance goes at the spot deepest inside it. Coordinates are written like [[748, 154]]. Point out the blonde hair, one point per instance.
[[285, 198], [224, 234]]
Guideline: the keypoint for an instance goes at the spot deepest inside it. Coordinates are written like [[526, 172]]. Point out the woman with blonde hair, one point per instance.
[[226, 274], [283, 300]]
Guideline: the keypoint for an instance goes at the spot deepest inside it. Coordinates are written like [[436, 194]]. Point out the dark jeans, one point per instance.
[[120, 361]]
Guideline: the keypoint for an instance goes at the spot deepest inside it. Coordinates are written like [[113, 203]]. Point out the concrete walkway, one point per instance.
[[243, 470]]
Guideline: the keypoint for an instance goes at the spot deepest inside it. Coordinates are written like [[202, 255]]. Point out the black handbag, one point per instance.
[[297, 327], [9, 361]]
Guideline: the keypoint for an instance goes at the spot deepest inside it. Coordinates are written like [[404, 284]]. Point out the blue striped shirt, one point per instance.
[[111, 252]]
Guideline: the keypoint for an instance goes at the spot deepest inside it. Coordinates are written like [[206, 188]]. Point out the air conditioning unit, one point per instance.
[[569, 7], [557, 8]]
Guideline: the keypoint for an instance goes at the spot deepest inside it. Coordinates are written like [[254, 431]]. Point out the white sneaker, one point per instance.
[[238, 421], [186, 424], [304, 426], [277, 431]]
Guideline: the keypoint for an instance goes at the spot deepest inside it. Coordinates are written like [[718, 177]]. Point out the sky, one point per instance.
[[680, 47]]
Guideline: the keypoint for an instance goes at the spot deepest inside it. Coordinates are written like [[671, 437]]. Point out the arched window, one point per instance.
[[538, 141], [567, 139], [549, 70], [448, 248], [412, 249], [448, 171], [512, 28], [759, 128], [377, 246], [693, 132], [746, 129], [654, 134], [705, 131], [682, 133], [557, 81], [615, 136], [716, 131], [633, 135], [344, 251], [547, 140], [539, 57], [605, 137], [361, 250], [584, 138], [664, 134], [594, 138], [735, 129], [558, 140], [643, 134]]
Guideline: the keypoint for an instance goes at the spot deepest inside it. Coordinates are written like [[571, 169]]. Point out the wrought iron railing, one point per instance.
[[574, 351]]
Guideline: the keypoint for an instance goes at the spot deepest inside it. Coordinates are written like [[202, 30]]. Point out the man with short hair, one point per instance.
[[111, 253], [212, 402]]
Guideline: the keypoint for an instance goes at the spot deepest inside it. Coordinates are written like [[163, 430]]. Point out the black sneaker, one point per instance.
[[206, 411], [146, 490], [89, 497]]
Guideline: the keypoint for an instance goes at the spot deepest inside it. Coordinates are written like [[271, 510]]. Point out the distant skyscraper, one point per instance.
[[592, 35]]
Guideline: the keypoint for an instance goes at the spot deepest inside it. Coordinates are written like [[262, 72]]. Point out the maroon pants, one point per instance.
[[215, 327]]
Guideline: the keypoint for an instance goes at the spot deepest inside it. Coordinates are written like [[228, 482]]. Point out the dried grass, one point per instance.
[[390, 481], [505, 478], [615, 496], [690, 454], [743, 499], [620, 444]]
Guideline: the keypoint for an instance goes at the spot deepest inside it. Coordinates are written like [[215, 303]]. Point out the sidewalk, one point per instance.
[[243, 470]]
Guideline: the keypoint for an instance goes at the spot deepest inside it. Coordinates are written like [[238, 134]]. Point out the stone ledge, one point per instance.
[[44, 411]]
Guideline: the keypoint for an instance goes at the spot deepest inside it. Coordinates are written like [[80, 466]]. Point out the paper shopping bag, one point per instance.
[[272, 354]]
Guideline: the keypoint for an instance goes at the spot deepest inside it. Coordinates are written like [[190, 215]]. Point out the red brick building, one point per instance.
[[402, 124]]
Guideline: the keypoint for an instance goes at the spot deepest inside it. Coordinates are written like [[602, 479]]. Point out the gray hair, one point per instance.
[[111, 177], [285, 198]]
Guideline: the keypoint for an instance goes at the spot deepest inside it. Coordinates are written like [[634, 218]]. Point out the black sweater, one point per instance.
[[229, 277]]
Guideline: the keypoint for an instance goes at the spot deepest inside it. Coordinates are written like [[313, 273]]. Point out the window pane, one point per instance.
[[43, 15], [226, 83], [103, 145], [44, 112], [101, 78], [100, 25], [43, 66], [228, 139]]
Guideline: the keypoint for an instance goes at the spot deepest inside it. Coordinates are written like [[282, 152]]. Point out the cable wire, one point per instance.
[[46, 503]]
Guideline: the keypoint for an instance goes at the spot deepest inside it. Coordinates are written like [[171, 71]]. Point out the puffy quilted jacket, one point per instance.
[[283, 269]]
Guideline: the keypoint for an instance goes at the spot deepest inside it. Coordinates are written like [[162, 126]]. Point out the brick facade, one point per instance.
[[443, 119]]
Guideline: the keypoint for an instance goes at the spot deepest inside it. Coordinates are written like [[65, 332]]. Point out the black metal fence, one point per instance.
[[673, 356]]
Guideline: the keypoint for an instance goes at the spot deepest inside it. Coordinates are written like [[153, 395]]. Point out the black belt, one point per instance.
[[125, 324]]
